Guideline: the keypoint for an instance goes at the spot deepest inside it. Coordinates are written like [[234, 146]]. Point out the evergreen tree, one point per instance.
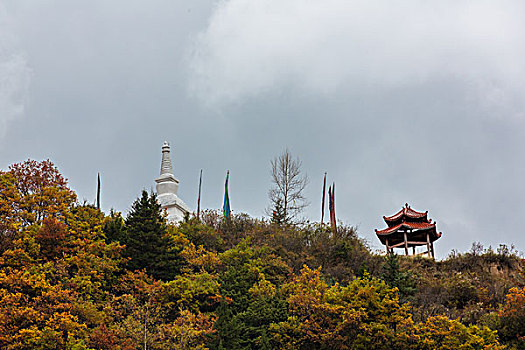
[[278, 216], [230, 330], [148, 244], [394, 277], [114, 228]]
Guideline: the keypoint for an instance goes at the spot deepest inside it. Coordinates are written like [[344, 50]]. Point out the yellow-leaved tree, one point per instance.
[[365, 314]]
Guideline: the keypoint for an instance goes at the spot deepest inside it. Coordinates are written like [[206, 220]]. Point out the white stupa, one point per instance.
[[167, 187]]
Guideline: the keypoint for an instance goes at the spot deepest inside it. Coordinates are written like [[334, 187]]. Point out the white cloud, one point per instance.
[[14, 75], [254, 46]]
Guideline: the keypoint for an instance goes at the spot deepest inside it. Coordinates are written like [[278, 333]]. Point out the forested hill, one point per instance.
[[73, 277]]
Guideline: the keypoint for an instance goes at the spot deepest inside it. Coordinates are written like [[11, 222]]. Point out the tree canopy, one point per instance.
[[72, 277]]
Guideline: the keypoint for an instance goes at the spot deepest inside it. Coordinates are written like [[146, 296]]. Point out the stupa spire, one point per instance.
[[165, 166], [167, 187]]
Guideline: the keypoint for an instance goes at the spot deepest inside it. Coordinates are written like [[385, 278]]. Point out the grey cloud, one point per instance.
[[14, 75], [252, 47]]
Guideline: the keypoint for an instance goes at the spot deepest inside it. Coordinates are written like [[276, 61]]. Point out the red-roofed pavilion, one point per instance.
[[409, 228]]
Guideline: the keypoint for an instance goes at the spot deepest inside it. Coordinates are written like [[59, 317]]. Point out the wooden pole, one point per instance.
[[199, 197], [332, 212], [322, 201], [428, 245], [98, 191], [406, 242]]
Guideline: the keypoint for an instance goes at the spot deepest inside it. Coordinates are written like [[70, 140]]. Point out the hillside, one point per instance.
[[73, 277]]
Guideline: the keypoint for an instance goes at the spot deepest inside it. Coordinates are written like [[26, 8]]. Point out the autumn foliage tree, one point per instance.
[[10, 222], [442, 333], [364, 314], [512, 317], [41, 191], [55, 266], [72, 277]]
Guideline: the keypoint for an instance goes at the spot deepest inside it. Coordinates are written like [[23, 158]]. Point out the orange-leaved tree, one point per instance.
[[512, 317], [55, 266], [35, 190]]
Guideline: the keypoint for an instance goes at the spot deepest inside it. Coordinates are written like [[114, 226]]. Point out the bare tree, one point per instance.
[[286, 195]]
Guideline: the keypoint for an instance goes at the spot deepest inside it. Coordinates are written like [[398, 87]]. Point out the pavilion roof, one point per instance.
[[407, 212], [419, 226]]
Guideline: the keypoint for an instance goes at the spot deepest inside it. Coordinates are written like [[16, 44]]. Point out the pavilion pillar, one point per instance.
[[432, 246], [413, 250], [428, 245], [387, 247], [406, 243]]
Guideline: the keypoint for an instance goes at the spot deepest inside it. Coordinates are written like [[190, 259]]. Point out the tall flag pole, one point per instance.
[[226, 205], [199, 198], [330, 202], [98, 191], [332, 209], [322, 202]]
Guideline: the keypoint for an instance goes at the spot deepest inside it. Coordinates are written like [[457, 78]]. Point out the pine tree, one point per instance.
[[394, 277], [278, 216], [114, 228], [147, 242]]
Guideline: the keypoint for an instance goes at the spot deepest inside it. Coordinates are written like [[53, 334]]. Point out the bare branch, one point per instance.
[[286, 195]]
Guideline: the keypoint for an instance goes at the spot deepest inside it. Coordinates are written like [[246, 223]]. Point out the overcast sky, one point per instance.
[[408, 101]]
